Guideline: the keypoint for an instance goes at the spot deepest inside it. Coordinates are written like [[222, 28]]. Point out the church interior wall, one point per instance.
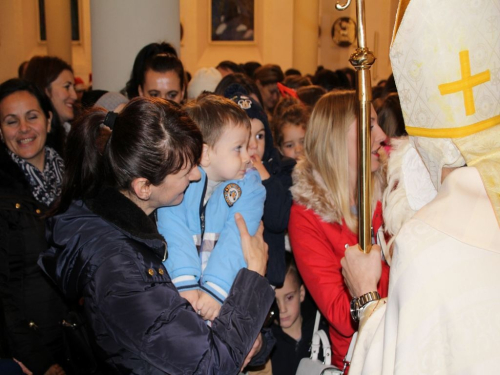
[[274, 23]]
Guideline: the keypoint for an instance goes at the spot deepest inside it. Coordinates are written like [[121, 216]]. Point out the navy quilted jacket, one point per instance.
[[109, 252]]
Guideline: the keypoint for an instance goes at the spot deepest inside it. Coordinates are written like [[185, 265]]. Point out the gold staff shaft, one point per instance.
[[362, 60]]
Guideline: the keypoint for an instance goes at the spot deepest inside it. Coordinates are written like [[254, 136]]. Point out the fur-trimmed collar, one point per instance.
[[310, 191], [117, 209]]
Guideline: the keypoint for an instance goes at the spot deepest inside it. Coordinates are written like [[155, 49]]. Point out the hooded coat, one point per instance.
[[109, 252]]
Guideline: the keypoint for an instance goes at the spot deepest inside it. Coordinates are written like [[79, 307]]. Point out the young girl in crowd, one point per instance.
[[106, 250], [290, 129], [323, 219]]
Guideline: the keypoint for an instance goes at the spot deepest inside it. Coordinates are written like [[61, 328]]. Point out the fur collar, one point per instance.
[[120, 211], [310, 191]]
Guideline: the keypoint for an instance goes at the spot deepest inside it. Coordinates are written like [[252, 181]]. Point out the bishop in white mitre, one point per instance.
[[442, 314]]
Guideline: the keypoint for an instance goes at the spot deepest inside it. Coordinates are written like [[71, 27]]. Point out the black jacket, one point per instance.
[[110, 253], [32, 308], [287, 352], [276, 209]]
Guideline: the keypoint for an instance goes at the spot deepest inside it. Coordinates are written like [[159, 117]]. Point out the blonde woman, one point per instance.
[[323, 219]]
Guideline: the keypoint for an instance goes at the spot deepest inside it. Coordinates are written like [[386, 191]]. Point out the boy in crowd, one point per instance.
[[204, 248], [293, 333]]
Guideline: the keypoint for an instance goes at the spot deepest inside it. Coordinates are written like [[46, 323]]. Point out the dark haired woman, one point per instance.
[[144, 55], [163, 77], [30, 181], [160, 76], [54, 77], [106, 250], [267, 77]]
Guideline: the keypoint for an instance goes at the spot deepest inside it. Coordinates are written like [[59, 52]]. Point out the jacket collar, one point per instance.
[[120, 211], [310, 191], [11, 176]]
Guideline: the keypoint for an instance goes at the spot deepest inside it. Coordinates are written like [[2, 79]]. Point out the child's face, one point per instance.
[[289, 297], [228, 159], [293, 140], [257, 144]]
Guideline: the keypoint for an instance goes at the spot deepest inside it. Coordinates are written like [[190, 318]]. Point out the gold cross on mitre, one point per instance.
[[466, 84]]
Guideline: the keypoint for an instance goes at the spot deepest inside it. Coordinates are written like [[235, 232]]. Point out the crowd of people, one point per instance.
[[195, 224]]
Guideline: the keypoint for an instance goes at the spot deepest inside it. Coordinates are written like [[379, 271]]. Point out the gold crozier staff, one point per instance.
[[362, 60]]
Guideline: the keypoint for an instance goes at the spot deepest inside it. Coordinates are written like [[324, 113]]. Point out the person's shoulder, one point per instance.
[[277, 163]]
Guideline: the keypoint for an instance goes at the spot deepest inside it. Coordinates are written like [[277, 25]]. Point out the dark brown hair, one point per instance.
[[291, 268], [151, 138], [268, 74], [390, 116], [162, 63], [43, 70], [309, 95], [295, 114], [145, 54]]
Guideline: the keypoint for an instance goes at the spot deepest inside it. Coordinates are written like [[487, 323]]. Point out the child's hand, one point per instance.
[[207, 306], [257, 164], [192, 296]]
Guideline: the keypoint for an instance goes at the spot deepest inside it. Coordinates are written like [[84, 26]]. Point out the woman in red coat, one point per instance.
[[323, 219]]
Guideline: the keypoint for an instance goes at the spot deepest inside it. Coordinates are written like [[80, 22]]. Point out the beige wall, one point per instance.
[[19, 38], [380, 15], [121, 28], [274, 36], [273, 31], [275, 23]]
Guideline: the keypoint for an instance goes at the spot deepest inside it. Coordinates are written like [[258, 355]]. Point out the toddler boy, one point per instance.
[[204, 247]]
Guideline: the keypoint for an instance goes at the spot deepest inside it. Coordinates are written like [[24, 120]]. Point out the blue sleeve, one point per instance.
[[227, 256], [176, 224]]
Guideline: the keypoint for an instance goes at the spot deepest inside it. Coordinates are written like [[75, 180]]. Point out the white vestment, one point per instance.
[[443, 309]]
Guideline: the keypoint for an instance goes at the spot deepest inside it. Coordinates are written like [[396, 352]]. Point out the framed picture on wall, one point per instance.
[[232, 20], [75, 20]]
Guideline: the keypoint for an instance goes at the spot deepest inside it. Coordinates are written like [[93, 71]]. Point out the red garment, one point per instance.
[[318, 247]]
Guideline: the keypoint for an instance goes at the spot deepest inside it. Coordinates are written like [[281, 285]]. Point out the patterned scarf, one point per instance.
[[46, 185]]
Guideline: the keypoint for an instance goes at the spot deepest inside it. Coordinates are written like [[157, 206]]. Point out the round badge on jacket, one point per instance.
[[232, 192]]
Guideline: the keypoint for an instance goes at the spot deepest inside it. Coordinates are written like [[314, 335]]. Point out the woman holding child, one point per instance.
[[106, 251], [323, 219]]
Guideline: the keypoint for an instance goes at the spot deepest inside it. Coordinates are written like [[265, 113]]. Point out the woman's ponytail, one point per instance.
[[83, 160]]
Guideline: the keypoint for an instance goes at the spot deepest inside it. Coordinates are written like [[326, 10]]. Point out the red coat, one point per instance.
[[318, 247]]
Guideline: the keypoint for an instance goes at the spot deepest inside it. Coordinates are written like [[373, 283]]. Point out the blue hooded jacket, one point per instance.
[[206, 253]]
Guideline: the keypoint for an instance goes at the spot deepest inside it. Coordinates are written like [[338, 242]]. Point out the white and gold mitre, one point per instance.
[[445, 57]]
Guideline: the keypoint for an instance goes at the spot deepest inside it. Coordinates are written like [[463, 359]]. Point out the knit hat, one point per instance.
[[240, 96], [111, 100], [205, 79]]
